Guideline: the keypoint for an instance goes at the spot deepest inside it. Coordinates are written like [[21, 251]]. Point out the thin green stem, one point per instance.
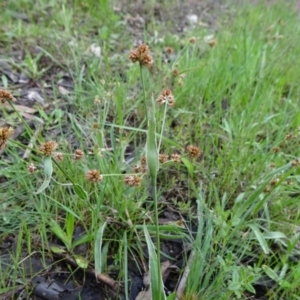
[[20, 117], [144, 91], [154, 185], [162, 127]]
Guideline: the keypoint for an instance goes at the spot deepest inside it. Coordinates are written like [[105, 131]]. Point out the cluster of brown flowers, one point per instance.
[[175, 72], [212, 43], [58, 156], [192, 40], [6, 96], [31, 168], [276, 150], [289, 137], [48, 148], [181, 76], [142, 166], [166, 96], [163, 158], [5, 134], [132, 180], [175, 158], [78, 154], [142, 55], [193, 151], [93, 176], [169, 50], [296, 162]]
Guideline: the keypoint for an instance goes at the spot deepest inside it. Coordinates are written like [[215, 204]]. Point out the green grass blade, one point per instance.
[[155, 271], [125, 259], [83, 239], [260, 238], [48, 170], [70, 226], [98, 248], [151, 150], [57, 230]]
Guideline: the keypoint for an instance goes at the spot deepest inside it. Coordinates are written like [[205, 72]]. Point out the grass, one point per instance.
[[236, 100]]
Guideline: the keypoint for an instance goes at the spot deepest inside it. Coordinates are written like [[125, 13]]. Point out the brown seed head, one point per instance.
[[176, 158], [31, 168], [169, 50], [137, 169], [78, 154], [143, 167], [163, 158], [5, 134], [142, 55], [97, 100], [58, 156], [296, 163], [193, 151], [212, 43], [143, 161], [6, 96], [288, 182], [272, 165], [93, 176], [48, 148], [192, 40], [274, 181], [132, 180], [166, 96], [289, 137], [276, 149], [175, 72]]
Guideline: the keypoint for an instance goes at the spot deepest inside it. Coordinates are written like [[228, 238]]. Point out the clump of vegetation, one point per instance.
[[179, 160]]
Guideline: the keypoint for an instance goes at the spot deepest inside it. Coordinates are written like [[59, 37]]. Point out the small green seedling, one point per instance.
[[67, 238]]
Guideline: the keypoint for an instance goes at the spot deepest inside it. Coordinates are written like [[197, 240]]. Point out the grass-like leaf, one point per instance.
[[260, 238], [48, 170], [70, 226], [58, 231], [154, 269], [151, 150], [98, 249]]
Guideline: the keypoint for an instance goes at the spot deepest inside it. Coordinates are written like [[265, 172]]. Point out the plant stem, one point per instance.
[[144, 91], [155, 198], [21, 118], [162, 127]]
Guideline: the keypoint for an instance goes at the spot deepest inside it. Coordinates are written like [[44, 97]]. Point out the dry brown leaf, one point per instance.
[[63, 91], [20, 108], [146, 294]]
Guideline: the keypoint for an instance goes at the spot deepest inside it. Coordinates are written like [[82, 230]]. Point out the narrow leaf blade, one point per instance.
[[155, 272], [98, 249]]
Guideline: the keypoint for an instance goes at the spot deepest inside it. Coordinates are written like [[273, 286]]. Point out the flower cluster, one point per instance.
[[193, 151], [48, 148], [142, 55], [132, 180], [93, 176], [166, 96], [5, 134], [6, 96], [78, 154]]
